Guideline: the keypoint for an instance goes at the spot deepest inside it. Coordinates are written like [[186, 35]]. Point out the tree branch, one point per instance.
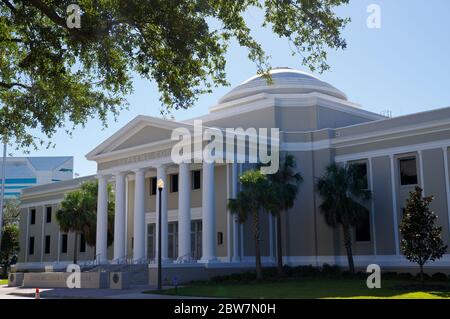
[[10, 6], [77, 33], [52, 15], [12, 84], [12, 40]]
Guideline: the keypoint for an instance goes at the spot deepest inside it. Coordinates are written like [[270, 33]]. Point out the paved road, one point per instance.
[[51, 293]]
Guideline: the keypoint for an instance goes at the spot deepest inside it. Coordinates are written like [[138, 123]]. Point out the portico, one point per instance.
[[131, 221]]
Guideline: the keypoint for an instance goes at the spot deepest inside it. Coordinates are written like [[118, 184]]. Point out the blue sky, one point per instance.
[[404, 66]]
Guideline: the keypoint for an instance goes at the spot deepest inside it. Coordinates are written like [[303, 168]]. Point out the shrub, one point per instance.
[[330, 269], [423, 276], [404, 275], [439, 276], [390, 275]]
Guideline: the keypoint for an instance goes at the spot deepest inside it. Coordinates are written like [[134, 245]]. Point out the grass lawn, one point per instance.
[[314, 287], [3, 281]]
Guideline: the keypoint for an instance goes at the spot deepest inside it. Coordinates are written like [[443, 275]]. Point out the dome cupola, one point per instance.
[[284, 81]]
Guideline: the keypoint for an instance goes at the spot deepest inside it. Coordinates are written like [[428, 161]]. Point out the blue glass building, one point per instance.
[[24, 172]]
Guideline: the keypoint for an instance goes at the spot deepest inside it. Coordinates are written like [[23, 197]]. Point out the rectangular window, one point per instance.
[[153, 186], [33, 216], [361, 173], [362, 228], [173, 240], [196, 239], [220, 238], [82, 243], [151, 246], [64, 243], [408, 171], [47, 244], [31, 246], [48, 214], [196, 182], [174, 183]]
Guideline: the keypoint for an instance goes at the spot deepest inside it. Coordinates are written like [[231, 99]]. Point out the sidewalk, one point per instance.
[[66, 293]]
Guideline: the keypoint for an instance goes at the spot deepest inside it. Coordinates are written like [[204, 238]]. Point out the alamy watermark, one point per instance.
[[73, 20], [229, 145], [74, 279], [374, 279], [374, 19]]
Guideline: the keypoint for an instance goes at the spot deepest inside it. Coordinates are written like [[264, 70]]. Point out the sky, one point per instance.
[[403, 66]]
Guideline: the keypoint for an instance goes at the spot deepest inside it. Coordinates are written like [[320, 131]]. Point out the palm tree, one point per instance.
[[342, 191], [252, 199], [90, 195], [71, 216], [78, 214], [284, 184]]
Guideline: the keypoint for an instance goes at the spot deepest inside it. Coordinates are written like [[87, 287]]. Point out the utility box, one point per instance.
[[15, 279], [118, 280], [48, 268]]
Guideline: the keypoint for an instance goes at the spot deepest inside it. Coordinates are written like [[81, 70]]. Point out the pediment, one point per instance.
[[145, 135], [141, 131]]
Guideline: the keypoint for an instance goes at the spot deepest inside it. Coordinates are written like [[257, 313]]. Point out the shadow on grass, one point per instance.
[[312, 288]]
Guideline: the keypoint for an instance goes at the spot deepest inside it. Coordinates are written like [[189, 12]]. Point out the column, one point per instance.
[[139, 215], [27, 240], [422, 175], [184, 213], [208, 215], [234, 191], [120, 218], [372, 206], [447, 182], [43, 233], [101, 252], [394, 204], [241, 226], [161, 174], [271, 237]]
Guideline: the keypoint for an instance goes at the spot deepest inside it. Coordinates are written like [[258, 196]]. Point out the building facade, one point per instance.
[[24, 172], [318, 126]]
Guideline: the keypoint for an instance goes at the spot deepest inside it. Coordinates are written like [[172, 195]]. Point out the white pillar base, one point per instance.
[[209, 260]]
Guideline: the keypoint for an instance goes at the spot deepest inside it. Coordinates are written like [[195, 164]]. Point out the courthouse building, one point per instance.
[[318, 126]]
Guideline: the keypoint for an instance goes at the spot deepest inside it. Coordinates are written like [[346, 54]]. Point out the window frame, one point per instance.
[[219, 238], [48, 244], [64, 247], [48, 209], [399, 163], [30, 246], [82, 247], [193, 173], [363, 162], [369, 223], [153, 186], [33, 216], [172, 184]]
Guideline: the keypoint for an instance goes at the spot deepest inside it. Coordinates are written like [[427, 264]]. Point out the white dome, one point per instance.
[[284, 80]]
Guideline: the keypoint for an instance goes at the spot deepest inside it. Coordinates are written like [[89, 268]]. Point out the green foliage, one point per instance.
[[52, 76], [255, 195], [342, 191], [9, 246], [78, 212], [11, 211], [421, 239], [284, 189], [285, 185]]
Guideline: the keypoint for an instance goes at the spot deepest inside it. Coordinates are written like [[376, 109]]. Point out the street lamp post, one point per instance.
[[160, 189], [2, 198]]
